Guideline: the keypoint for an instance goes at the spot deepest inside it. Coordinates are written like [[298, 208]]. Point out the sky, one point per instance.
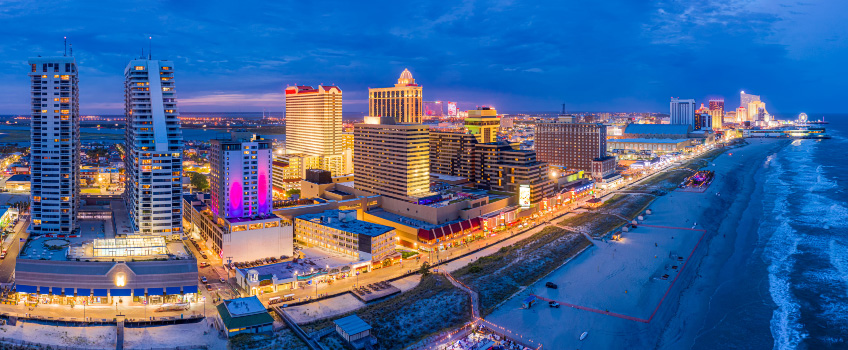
[[603, 56]]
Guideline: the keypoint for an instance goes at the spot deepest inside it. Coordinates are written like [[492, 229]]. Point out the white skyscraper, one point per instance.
[[682, 111], [154, 147], [55, 144], [745, 99]]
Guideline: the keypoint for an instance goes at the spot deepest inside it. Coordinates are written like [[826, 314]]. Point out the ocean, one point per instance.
[[776, 273], [804, 240]]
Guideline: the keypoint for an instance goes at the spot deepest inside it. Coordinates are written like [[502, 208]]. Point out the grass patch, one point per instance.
[[596, 224], [431, 307], [282, 339], [667, 181], [628, 205], [406, 254], [498, 276]]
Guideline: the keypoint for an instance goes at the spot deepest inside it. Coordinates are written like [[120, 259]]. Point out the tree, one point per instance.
[[292, 192], [199, 181], [425, 269]]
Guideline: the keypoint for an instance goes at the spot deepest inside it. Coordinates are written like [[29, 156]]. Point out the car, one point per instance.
[[551, 285], [553, 304], [203, 279], [223, 280], [208, 287]]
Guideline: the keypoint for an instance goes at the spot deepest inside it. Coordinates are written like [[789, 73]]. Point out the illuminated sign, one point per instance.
[[524, 196], [452, 109]]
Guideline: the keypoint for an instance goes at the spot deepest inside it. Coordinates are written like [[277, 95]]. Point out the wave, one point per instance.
[[782, 244]]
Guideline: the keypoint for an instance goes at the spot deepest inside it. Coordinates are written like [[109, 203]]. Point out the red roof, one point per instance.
[[475, 222], [455, 227], [466, 225], [425, 235]]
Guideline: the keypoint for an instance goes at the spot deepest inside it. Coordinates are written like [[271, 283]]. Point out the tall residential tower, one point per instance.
[[55, 146], [682, 111], [154, 147]]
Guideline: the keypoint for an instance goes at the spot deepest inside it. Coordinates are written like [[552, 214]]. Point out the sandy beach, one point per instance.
[[624, 281]]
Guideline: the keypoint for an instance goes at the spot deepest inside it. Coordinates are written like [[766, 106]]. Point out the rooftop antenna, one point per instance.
[[72, 49], [66, 46], [563, 108], [142, 53], [150, 48]]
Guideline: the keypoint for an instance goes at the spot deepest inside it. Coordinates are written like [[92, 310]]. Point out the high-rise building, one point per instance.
[[154, 144], [240, 178], [745, 99], [717, 112], [742, 114], [757, 111], [570, 145], [682, 111], [484, 124], [391, 159], [314, 120], [452, 153], [503, 168], [55, 144], [404, 102]]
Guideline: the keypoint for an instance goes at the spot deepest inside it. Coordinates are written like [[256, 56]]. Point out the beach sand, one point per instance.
[[623, 277]]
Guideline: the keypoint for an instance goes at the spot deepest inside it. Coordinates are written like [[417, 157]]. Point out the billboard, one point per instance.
[[524, 196], [433, 109], [452, 109]]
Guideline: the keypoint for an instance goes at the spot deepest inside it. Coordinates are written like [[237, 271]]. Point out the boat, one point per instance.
[[583, 336]]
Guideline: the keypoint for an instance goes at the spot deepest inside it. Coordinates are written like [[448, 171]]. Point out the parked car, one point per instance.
[[551, 285], [223, 280], [203, 279], [208, 287], [553, 304]]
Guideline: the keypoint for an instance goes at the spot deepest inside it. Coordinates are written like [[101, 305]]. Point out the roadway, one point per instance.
[[7, 264]]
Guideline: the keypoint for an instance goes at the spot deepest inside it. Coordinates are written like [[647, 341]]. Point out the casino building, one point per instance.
[[76, 270]]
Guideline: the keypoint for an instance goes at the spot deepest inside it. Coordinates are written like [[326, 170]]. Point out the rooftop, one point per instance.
[[19, 177], [287, 269], [244, 306], [650, 140], [352, 325], [332, 218], [657, 129], [238, 321], [403, 220]]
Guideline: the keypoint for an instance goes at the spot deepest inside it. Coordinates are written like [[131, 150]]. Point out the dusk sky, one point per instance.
[[517, 56]]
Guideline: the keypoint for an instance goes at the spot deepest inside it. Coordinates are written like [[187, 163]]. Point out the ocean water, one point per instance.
[[803, 239]]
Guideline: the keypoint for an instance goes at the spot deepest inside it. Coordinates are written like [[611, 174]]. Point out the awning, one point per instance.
[[455, 227], [475, 222], [172, 290], [69, 292], [101, 292], [425, 235], [190, 289], [43, 290], [139, 292], [83, 292], [155, 291], [466, 225], [21, 288], [122, 292], [56, 290]]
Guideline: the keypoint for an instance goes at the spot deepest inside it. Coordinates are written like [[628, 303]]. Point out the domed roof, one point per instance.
[[406, 75]]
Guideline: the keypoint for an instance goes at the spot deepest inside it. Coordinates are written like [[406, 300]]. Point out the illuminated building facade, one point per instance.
[[339, 231], [154, 145], [391, 159], [745, 99], [55, 145], [483, 123], [717, 112], [682, 111], [314, 120], [570, 145], [503, 168], [240, 178], [404, 102]]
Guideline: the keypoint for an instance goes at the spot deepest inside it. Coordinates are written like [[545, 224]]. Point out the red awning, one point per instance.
[[455, 227], [444, 230], [425, 235], [466, 225], [475, 222]]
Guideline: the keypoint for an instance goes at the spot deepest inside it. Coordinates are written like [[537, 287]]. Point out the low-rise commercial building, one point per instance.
[[244, 315], [339, 231]]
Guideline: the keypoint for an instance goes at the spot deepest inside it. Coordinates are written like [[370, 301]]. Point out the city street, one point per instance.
[[7, 264]]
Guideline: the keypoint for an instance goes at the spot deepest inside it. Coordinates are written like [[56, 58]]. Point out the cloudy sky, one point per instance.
[[619, 55]]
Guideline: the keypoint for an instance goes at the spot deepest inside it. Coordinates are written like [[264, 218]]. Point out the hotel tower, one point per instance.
[[404, 102], [314, 120], [240, 178], [55, 144], [154, 145]]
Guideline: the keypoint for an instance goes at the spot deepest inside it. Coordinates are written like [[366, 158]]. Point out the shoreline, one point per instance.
[[631, 285]]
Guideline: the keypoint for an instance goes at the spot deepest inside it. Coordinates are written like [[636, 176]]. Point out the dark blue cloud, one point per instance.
[[518, 56]]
